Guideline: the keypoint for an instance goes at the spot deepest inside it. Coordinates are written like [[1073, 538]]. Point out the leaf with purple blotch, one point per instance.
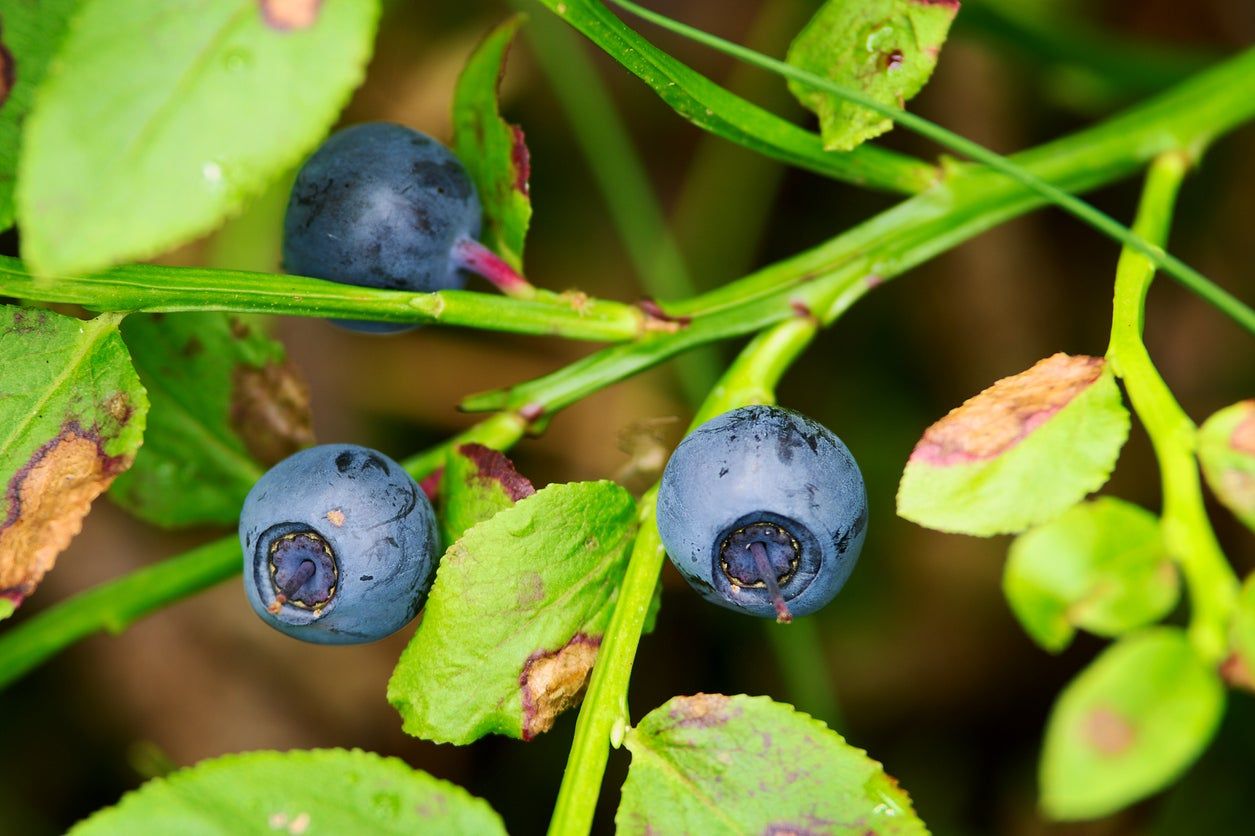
[[477, 483], [713, 764], [1019, 453]]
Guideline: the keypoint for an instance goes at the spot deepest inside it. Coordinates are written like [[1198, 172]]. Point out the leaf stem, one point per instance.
[[1193, 280], [113, 606], [1187, 531]]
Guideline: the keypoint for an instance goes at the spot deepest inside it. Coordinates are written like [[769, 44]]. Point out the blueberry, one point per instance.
[[763, 510], [340, 545], [381, 205]]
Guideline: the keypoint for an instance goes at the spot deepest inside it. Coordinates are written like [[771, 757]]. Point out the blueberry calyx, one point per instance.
[[302, 570], [762, 555]]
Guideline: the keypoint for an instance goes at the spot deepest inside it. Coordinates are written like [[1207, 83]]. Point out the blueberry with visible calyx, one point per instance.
[[764, 511], [382, 205], [340, 545]]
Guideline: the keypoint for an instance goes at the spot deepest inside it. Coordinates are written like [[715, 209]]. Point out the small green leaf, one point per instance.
[[318, 791], [225, 407], [1239, 668], [29, 35], [713, 764], [1019, 453], [712, 108], [1101, 566], [516, 616], [157, 120], [71, 418], [1226, 450], [493, 151], [478, 482], [1128, 725], [884, 48]]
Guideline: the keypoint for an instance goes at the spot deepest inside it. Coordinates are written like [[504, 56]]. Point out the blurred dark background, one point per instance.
[[929, 670]]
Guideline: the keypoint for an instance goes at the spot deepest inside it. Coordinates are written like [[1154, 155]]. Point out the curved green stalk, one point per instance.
[[603, 718], [1188, 535], [1182, 272], [157, 288]]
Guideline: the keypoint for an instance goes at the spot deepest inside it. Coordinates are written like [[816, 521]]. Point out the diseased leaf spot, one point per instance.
[[521, 161], [1243, 438], [8, 72], [270, 411], [702, 711], [290, 15], [47, 500], [1108, 732], [493, 466], [552, 682], [997, 419]]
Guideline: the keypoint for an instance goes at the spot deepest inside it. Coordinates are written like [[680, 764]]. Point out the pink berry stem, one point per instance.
[[473, 256], [759, 551]]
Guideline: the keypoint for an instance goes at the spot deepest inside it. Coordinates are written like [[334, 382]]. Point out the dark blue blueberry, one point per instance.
[[380, 205], [764, 511], [340, 545]]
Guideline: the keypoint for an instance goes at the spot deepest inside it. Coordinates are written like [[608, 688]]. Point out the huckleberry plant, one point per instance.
[[541, 597]]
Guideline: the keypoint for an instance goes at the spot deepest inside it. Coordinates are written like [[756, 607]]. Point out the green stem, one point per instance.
[[163, 289], [1182, 272], [113, 606], [604, 718], [1187, 531]]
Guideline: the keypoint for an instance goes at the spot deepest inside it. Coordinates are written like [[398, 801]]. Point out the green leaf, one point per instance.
[[493, 151], [1101, 566], [29, 35], [71, 418], [319, 791], [713, 764], [1019, 453], [1239, 668], [884, 48], [714, 109], [225, 407], [1128, 725], [1226, 450], [160, 119], [516, 616], [478, 482]]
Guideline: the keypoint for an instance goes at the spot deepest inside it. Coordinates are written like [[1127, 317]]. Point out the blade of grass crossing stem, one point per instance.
[[621, 176], [1189, 277]]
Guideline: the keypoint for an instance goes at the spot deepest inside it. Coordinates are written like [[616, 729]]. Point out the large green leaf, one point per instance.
[[225, 407], [1101, 566], [1226, 450], [477, 483], [712, 764], [319, 791], [29, 35], [725, 114], [71, 418], [1019, 453], [157, 120], [884, 48], [1132, 722], [493, 151], [515, 618]]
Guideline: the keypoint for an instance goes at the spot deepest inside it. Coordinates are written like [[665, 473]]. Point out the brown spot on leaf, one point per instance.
[[193, 347], [270, 411], [531, 590], [290, 15], [47, 500], [521, 159], [701, 711], [336, 517], [1237, 673], [552, 682], [1004, 414], [1243, 437], [239, 328], [892, 59], [1108, 732], [493, 466], [8, 72]]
